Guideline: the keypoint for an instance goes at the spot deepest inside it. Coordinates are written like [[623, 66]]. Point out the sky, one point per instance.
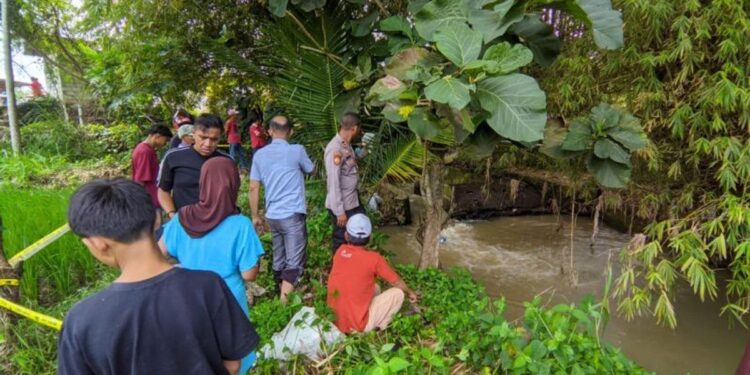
[[25, 67]]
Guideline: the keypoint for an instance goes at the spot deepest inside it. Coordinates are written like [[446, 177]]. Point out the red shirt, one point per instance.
[[233, 137], [257, 136], [351, 285], [36, 88], [145, 169]]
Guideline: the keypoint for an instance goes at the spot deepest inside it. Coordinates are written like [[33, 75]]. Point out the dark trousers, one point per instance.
[[338, 232]]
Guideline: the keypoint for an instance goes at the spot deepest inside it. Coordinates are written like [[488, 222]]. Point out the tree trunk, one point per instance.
[[435, 216], [15, 139]]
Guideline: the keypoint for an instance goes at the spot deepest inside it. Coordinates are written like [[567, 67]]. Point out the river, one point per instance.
[[520, 257]]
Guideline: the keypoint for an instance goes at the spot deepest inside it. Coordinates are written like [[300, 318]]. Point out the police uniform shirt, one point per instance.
[[342, 176]]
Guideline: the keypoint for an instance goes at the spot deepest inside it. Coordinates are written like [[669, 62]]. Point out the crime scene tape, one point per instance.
[[38, 245], [30, 314], [9, 282]]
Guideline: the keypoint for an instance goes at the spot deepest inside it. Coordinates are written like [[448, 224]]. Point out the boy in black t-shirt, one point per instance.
[[155, 318]]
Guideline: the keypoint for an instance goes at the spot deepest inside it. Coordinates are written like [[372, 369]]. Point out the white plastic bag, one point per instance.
[[305, 334]]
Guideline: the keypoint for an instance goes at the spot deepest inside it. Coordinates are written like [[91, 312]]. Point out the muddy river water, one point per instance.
[[520, 257]]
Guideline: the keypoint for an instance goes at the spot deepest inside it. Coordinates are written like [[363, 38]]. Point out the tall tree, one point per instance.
[[15, 137]]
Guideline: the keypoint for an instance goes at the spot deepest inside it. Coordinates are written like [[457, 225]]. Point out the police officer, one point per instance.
[[342, 200]]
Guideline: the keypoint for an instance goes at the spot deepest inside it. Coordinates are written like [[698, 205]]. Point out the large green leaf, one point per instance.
[[277, 7], [539, 37], [606, 149], [503, 58], [579, 136], [554, 136], [459, 43], [402, 64], [396, 24], [598, 15], [386, 88], [608, 173], [309, 5], [363, 26], [496, 20], [481, 144], [451, 91], [424, 124], [516, 104], [630, 137], [439, 14], [619, 125]]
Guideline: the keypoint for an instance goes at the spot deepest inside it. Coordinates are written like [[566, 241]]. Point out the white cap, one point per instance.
[[184, 130], [359, 226]]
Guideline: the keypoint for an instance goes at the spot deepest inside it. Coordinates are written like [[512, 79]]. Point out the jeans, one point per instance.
[[289, 247], [338, 232], [238, 155]]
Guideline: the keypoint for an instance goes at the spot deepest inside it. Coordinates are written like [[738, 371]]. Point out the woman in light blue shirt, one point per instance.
[[212, 235]]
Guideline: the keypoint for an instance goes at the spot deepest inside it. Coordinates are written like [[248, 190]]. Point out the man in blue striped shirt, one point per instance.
[[279, 166]]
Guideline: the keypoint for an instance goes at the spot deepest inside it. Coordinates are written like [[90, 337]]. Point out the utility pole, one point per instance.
[[15, 139]]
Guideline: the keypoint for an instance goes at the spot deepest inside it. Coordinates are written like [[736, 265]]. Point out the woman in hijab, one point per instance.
[[212, 235]]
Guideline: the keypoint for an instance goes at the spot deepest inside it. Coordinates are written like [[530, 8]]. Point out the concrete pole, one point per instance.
[[15, 138]]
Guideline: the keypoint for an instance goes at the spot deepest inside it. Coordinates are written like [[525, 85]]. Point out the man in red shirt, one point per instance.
[[234, 140], [258, 135], [144, 162], [352, 291], [36, 88]]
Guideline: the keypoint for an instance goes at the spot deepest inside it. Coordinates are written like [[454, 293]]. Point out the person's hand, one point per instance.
[[341, 220], [171, 214], [258, 224], [413, 297]]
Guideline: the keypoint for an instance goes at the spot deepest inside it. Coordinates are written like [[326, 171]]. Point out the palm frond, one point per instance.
[[309, 71]]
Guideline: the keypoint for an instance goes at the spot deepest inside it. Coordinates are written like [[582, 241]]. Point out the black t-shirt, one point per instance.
[[180, 322], [175, 142], [180, 172]]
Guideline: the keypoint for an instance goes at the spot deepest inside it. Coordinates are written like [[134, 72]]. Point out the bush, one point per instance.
[[91, 141], [53, 138], [113, 139], [45, 108]]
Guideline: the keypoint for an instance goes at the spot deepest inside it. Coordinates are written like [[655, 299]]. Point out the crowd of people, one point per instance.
[[185, 250]]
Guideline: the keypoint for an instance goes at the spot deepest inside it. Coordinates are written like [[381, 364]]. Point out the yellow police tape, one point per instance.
[[27, 313], [9, 282], [38, 245]]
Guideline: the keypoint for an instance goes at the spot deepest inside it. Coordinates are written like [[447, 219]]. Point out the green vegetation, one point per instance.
[[455, 327]]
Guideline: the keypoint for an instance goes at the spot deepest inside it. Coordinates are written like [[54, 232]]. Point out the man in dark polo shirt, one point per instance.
[[181, 168]]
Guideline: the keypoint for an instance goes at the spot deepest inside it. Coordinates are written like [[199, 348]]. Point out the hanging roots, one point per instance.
[[515, 185]]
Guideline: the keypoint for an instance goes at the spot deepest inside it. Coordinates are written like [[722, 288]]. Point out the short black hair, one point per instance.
[[207, 121], [280, 126], [356, 241], [350, 120], [160, 130], [117, 209]]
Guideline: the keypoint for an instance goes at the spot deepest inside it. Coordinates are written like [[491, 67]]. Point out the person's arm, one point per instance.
[[254, 196], [251, 274], [166, 202], [141, 168], [233, 367], [333, 185], [385, 272], [235, 335], [69, 357], [413, 297], [165, 181], [305, 163]]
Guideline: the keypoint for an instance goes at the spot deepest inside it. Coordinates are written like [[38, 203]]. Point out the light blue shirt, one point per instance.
[[228, 250], [279, 167]]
